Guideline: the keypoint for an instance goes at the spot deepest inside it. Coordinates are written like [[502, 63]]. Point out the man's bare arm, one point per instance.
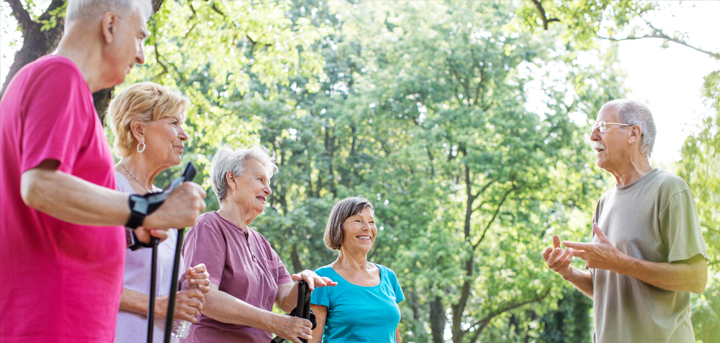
[[77, 201], [582, 280], [686, 276], [559, 261], [72, 199]]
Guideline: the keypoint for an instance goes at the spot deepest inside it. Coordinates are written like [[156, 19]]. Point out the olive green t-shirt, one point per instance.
[[653, 219]]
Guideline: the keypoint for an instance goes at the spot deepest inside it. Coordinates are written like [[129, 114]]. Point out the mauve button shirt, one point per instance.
[[242, 263]]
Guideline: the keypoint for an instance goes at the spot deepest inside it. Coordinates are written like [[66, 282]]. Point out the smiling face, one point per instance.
[[253, 189], [164, 140], [359, 232]]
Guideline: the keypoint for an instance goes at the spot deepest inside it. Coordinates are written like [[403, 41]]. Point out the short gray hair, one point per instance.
[[344, 209], [636, 113], [226, 160], [77, 9]]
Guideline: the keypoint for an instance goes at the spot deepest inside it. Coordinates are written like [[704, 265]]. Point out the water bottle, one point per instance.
[[181, 328]]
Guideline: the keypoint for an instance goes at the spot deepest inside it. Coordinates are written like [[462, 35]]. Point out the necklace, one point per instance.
[[133, 176]]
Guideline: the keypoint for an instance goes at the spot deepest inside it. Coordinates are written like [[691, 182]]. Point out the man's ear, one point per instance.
[[635, 134], [109, 27]]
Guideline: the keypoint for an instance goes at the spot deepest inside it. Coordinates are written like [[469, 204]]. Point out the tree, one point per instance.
[[400, 120], [41, 37], [698, 167]]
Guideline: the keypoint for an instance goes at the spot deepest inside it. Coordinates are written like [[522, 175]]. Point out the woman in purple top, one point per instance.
[[246, 274], [147, 120]]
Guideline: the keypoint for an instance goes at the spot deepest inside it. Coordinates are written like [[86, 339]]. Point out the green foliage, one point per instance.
[[220, 54], [426, 110], [581, 20], [570, 322], [699, 167], [55, 15], [419, 105]]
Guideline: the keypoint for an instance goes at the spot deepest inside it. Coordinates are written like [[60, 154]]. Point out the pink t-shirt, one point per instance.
[[59, 282], [241, 263]]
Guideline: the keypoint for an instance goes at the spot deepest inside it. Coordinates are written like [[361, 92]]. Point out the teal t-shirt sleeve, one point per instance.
[[320, 295], [399, 296]]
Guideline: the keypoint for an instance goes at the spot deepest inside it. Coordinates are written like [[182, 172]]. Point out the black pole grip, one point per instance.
[[302, 309]]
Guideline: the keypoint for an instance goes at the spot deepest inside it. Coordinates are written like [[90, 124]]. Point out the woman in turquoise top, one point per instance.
[[363, 307]]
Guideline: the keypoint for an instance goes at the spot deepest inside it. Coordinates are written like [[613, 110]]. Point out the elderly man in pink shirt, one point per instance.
[[62, 240]]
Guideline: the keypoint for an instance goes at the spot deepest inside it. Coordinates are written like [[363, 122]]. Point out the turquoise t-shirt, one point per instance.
[[357, 313]]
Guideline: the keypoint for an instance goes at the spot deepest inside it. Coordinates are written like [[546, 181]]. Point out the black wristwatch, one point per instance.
[[133, 243], [143, 205], [138, 210]]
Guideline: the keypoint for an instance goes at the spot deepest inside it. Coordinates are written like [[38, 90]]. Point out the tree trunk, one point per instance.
[[437, 320], [295, 257], [102, 99], [38, 43]]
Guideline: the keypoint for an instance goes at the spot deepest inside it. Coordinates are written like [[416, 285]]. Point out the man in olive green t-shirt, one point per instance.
[[647, 251]]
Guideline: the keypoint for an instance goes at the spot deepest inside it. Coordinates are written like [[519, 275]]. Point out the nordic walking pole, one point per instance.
[[302, 309], [154, 241], [155, 200], [188, 175]]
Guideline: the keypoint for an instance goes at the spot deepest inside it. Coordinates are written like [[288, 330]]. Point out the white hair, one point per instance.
[[77, 9], [226, 160], [636, 113]]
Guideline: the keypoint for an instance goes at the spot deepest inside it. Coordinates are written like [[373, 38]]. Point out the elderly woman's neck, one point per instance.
[[347, 260], [234, 213], [140, 169]]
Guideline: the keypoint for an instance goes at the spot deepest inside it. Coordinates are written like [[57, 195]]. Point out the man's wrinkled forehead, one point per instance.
[[607, 113]]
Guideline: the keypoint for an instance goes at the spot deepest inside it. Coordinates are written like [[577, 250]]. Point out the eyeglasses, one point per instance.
[[602, 126]]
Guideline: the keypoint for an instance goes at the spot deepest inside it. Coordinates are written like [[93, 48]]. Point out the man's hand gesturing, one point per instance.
[[600, 255], [182, 206], [557, 259]]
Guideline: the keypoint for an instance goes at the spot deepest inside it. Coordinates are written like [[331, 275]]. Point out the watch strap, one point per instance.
[[138, 210]]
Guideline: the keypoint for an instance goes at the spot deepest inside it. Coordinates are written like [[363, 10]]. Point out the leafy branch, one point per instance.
[[543, 16], [481, 324], [659, 34]]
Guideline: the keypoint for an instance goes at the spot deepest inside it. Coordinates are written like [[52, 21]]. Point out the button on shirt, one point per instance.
[[242, 263]]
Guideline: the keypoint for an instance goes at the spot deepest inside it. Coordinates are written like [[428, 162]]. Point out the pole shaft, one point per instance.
[[174, 285], [151, 303]]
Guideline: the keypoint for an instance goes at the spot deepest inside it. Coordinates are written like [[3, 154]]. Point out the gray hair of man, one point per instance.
[[227, 159], [636, 113], [343, 210], [83, 9]]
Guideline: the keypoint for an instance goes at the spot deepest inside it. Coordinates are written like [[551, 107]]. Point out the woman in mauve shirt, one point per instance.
[[246, 274]]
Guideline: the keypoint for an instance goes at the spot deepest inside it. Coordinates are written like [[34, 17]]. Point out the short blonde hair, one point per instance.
[[344, 209], [145, 101]]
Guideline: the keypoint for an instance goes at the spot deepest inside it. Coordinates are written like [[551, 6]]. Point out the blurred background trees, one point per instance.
[[424, 108]]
